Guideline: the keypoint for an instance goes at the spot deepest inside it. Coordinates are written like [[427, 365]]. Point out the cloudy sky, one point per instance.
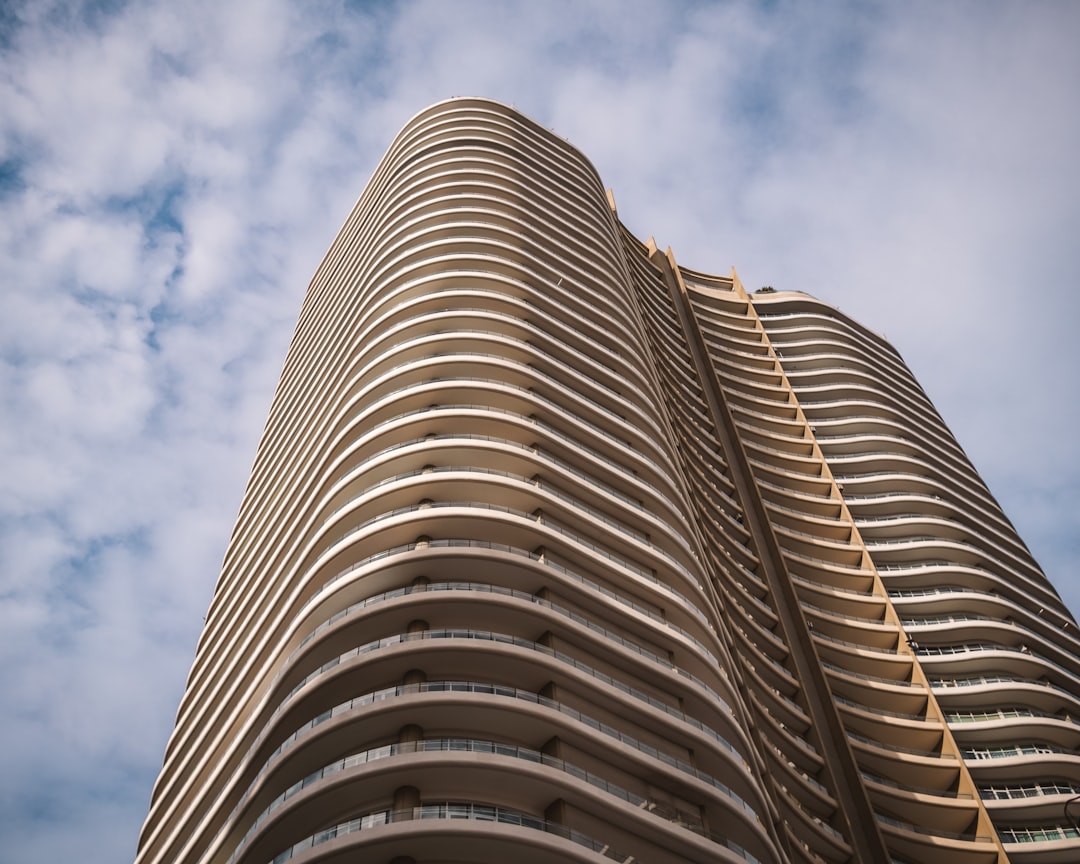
[[172, 172]]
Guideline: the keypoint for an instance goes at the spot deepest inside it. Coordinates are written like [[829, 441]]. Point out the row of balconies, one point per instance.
[[815, 542]]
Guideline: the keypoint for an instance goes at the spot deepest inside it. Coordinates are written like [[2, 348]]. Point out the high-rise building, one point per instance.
[[555, 550]]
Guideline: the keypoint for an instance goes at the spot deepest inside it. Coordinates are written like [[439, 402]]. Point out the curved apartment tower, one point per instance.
[[554, 550]]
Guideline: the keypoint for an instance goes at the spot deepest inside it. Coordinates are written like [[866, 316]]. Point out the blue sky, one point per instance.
[[171, 174]]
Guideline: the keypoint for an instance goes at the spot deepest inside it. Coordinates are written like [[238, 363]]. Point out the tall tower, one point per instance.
[[554, 550]]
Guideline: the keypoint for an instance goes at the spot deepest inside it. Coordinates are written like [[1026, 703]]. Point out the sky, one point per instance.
[[171, 174]]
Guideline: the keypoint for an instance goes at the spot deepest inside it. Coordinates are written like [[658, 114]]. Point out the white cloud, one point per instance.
[[183, 168]]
